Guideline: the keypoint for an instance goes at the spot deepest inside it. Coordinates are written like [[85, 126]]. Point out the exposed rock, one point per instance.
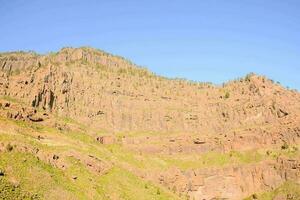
[[280, 197], [281, 113], [24, 113], [106, 139], [198, 141], [35, 118], [232, 182], [114, 85], [106, 92]]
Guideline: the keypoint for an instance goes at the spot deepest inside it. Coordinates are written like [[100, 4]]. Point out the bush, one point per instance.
[[254, 196], [158, 191], [9, 147], [285, 146], [174, 189], [248, 76], [227, 95]]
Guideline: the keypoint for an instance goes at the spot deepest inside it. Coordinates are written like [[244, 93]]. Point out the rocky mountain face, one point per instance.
[[149, 115], [111, 93]]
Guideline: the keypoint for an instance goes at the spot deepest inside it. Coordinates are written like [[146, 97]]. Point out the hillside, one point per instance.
[[85, 124]]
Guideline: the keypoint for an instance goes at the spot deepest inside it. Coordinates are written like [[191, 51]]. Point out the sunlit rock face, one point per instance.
[[209, 141]]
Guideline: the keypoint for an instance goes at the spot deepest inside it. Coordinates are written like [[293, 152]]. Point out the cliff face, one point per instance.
[[110, 93], [209, 141]]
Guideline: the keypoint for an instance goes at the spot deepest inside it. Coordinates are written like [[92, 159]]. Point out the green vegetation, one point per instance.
[[44, 180], [122, 184], [184, 161], [9, 147], [287, 151], [34, 176], [16, 71], [11, 99], [227, 95], [289, 190], [284, 146], [248, 76], [212, 159], [8, 191]]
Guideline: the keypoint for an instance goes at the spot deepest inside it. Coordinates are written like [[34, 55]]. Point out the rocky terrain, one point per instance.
[[85, 124]]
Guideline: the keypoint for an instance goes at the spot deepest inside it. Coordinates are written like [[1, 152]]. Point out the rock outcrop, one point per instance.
[[236, 182]]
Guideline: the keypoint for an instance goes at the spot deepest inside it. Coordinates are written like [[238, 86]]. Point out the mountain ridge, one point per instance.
[[92, 50], [86, 109]]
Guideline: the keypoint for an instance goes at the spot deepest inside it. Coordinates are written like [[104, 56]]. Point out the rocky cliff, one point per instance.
[[181, 126], [110, 93]]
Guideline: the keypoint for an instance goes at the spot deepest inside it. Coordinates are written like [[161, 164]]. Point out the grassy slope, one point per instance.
[[288, 189], [45, 181], [48, 182], [9, 191]]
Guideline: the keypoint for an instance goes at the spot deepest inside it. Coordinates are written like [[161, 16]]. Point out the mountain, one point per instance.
[[84, 124]]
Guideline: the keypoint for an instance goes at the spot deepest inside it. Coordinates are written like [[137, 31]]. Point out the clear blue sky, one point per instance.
[[212, 40]]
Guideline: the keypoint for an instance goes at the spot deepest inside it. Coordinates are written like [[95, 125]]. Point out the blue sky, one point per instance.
[[212, 40]]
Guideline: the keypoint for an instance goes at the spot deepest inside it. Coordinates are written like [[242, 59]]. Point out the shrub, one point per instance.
[[174, 189], [285, 146], [227, 95], [9, 147], [254, 196], [158, 191], [248, 76]]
